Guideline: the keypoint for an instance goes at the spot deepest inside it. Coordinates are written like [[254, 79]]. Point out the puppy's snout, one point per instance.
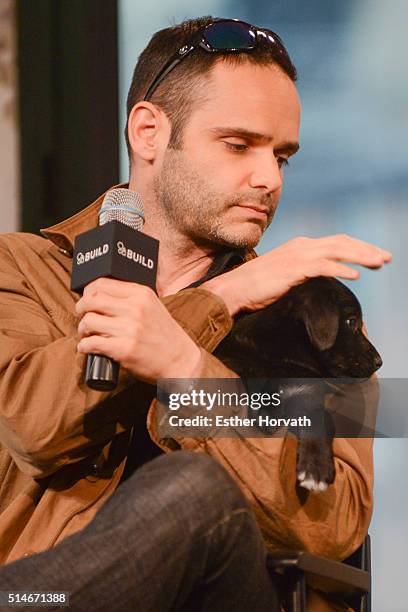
[[377, 362]]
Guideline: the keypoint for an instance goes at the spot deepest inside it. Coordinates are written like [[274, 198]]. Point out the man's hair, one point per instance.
[[185, 84]]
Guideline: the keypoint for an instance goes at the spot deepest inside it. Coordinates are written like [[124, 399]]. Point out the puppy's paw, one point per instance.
[[308, 482], [315, 464]]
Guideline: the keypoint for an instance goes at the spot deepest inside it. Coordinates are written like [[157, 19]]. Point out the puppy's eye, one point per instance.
[[352, 323]]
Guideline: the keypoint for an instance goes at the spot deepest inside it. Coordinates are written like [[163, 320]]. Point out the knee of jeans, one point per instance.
[[206, 479]]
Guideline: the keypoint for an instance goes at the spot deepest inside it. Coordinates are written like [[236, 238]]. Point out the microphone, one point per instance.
[[116, 249]]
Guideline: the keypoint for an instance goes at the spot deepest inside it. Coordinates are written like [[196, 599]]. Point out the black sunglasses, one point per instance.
[[231, 35]]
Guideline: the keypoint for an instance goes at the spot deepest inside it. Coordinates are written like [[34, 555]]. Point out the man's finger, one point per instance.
[[100, 345], [100, 303], [96, 324], [354, 251], [331, 268], [115, 288], [351, 240]]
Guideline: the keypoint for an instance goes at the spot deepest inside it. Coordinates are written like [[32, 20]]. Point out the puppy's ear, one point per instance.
[[321, 318]]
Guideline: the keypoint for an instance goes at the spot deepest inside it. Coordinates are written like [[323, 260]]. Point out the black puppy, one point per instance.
[[313, 331]]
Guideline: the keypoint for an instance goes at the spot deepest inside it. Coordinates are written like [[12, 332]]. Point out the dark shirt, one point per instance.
[[142, 448]]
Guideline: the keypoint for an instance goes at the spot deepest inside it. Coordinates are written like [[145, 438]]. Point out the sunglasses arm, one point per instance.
[[168, 67]]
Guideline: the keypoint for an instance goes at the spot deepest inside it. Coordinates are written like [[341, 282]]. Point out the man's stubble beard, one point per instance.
[[191, 208]]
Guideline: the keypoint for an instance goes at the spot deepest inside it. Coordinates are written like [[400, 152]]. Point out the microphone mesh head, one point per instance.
[[122, 205]]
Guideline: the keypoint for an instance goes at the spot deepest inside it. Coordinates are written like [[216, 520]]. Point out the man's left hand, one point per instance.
[[128, 323]]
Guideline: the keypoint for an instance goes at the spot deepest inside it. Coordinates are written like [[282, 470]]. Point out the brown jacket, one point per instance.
[[63, 446]]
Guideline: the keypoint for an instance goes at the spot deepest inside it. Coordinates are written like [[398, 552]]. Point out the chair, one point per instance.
[[351, 578]]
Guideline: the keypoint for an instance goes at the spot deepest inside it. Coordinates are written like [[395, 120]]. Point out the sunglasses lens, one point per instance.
[[230, 35]]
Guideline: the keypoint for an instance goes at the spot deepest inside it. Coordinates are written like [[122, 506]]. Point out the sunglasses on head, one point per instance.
[[226, 35]]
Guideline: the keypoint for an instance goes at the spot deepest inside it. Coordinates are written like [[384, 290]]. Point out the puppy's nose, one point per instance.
[[378, 362]]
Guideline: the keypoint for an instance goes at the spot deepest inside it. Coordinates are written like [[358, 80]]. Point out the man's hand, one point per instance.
[[264, 280], [128, 323]]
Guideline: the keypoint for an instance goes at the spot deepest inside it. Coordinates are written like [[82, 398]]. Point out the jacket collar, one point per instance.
[[63, 234], [223, 262]]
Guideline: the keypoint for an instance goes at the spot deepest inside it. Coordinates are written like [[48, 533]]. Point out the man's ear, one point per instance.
[[147, 130], [320, 315]]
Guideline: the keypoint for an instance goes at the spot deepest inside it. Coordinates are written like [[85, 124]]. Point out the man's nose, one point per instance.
[[267, 175]]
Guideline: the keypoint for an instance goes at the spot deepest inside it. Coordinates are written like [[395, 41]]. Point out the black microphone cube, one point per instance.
[[117, 251]]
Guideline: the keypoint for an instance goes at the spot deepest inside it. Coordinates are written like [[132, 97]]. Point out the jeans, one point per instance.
[[178, 534]]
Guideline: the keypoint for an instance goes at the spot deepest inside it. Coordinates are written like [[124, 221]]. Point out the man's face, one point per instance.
[[223, 187]]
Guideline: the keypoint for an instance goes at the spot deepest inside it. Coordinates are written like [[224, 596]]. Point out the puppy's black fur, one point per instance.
[[313, 331]]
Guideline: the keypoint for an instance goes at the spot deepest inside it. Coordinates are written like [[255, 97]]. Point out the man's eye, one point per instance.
[[282, 161], [237, 148]]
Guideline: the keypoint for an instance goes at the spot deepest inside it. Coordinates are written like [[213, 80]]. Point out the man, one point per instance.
[[213, 117]]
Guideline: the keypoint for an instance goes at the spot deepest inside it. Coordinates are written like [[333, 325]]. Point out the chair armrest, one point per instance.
[[324, 574]]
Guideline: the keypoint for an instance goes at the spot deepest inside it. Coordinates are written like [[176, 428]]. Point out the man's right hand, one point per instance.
[[265, 279]]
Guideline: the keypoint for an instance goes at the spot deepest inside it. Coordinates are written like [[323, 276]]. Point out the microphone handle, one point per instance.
[[101, 373]]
